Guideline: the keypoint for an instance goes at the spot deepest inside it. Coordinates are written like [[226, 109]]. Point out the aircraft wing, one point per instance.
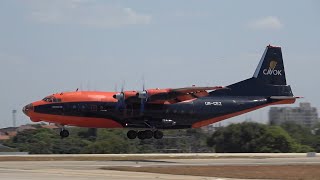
[[196, 89], [170, 95], [181, 94]]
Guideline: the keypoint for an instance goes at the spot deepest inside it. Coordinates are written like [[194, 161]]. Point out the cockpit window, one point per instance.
[[47, 99], [51, 99]]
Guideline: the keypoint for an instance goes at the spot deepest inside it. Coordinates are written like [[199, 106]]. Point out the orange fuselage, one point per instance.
[[79, 96]]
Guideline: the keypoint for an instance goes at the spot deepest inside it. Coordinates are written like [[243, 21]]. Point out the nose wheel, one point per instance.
[[64, 133], [146, 134]]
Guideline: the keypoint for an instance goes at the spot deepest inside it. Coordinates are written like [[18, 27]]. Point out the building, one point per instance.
[[304, 115], [211, 127]]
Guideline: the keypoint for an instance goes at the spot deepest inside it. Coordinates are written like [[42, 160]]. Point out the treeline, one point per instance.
[[101, 141], [242, 137], [260, 138]]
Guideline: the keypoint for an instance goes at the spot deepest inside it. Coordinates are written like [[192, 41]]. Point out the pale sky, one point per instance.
[[49, 46]]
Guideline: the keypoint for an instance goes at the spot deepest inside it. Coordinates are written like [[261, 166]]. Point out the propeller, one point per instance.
[[120, 97], [143, 95], [115, 87]]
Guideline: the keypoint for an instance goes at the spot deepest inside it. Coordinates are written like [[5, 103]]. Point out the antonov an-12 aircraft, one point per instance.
[[145, 113]]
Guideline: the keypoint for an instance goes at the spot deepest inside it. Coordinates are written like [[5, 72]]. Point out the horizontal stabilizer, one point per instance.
[[284, 97], [195, 89]]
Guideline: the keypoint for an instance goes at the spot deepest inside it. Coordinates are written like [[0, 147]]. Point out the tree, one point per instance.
[[275, 139], [46, 141], [252, 137], [34, 141], [301, 134], [114, 145], [236, 137]]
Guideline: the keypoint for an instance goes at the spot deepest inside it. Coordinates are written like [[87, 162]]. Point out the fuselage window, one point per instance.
[[93, 107], [83, 108], [105, 107]]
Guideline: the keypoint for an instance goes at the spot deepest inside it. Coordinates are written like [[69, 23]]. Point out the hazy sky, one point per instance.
[[49, 46]]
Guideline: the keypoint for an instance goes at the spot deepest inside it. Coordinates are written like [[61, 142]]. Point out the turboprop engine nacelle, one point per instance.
[[118, 96], [142, 94]]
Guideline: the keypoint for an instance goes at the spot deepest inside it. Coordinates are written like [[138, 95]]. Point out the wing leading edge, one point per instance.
[[171, 95]]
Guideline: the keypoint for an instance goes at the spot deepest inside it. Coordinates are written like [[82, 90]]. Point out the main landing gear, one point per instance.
[[146, 134]]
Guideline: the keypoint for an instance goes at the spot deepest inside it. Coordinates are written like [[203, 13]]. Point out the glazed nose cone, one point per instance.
[[26, 109]]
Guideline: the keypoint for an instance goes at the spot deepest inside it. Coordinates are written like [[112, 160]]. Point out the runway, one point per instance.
[[63, 170], [72, 170], [53, 172]]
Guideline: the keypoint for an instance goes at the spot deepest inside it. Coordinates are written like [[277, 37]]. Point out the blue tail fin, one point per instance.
[[271, 69], [269, 78]]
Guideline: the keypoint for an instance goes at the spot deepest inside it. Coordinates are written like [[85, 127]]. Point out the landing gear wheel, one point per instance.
[[158, 134], [141, 135], [64, 133], [148, 134], [132, 134]]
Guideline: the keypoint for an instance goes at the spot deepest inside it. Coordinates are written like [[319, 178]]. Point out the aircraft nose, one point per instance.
[[26, 109]]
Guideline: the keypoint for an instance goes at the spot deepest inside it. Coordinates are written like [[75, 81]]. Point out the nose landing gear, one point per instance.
[[146, 134], [64, 133]]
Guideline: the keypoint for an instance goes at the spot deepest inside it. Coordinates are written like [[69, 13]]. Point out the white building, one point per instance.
[[304, 115]]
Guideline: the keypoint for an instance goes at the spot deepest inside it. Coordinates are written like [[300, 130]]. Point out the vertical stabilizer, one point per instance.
[[271, 69], [269, 78]]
